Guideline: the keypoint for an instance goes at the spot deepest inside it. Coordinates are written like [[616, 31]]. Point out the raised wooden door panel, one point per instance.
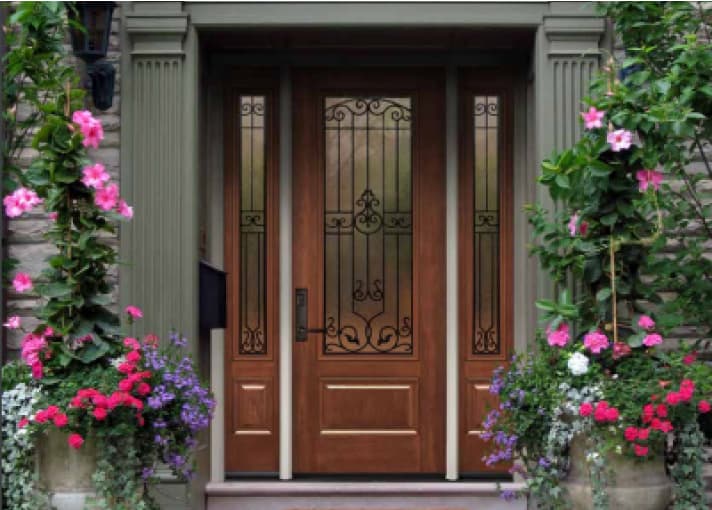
[[251, 261], [369, 246], [485, 251]]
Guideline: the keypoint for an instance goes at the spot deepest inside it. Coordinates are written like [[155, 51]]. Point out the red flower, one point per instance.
[[76, 402], [661, 410], [673, 398], [134, 402], [126, 368], [621, 349], [140, 420], [666, 427], [631, 434], [41, 417], [656, 424], [690, 358], [612, 414], [51, 411], [586, 409], [151, 340], [643, 434], [87, 392], [143, 389], [648, 413], [24, 421], [99, 413], [60, 420], [133, 356], [75, 441], [687, 388], [131, 343], [100, 400], [640, 450], [116, 399], [704, 406], [126, 384]]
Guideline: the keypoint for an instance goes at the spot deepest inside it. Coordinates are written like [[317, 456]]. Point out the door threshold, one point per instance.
[[255, 488]]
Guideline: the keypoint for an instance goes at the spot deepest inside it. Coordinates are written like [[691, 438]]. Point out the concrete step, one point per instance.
[[328, 495]]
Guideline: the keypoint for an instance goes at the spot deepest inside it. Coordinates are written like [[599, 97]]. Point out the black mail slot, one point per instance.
[[212, 299]]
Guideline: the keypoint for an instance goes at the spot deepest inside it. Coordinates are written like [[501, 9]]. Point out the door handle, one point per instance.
[[301, 314]]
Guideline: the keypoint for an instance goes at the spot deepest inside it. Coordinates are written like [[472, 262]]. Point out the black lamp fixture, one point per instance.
[[90, 27]]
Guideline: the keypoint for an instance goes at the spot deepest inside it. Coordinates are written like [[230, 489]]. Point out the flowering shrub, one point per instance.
[[142, 404], [603, 368]]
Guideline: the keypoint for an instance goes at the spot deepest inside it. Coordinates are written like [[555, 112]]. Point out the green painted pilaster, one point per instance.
[[568, 49], [159, 167]]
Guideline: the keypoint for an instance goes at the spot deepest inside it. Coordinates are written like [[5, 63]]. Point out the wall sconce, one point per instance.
[[91, 43]]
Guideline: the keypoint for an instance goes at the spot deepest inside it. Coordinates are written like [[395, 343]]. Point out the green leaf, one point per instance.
[[609, 219], [562, 181], [636, 340], [546, 305], [603, 294], [54, 290]]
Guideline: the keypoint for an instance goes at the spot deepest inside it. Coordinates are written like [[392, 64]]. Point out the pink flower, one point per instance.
[[41, 417], [53, 215], [648, 413], [82, 117], [620, 139], [620, 349], [95, 176], [592, 118], [20, 201], [573, 224], [586, 409], [125, 384], [612, 414], [134, 311], [704, 406], [687, 388], [643, 434], [90, 127], [105, 198], [640, 450], [125, 209], [143, 389], [131, 343], [22, 282], [646, 322], [631, 434], [12, 322], [647, 178], [595, 341], [37, 370], [60, 420], [133, 356], [559, 337], [599, 414], [23, 423], [652, 339], [75, 441], [661, 410], [126, 368], [99, 413]]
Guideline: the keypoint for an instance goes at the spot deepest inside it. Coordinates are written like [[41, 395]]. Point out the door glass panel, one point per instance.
[[486, 208], [368, 240], [252, 225]]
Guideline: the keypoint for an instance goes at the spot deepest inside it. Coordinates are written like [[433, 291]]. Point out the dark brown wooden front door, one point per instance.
[[369, 269]]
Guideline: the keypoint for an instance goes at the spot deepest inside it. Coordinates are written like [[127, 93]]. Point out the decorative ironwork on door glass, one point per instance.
[[368, 240], [486, 221], [252, 225]]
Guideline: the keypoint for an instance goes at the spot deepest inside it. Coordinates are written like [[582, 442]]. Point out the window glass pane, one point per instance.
[[252, 225], [368, 225], [486, 209]]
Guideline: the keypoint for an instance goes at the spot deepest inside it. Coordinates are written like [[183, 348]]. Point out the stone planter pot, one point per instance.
[[635, 485], [66, 473]]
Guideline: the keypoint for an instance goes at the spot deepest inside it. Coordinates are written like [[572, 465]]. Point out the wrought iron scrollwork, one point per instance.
[[368, 226]]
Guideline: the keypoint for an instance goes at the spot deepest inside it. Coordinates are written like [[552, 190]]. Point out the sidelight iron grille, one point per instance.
[[486, 225], [252, 225], [368, 225]]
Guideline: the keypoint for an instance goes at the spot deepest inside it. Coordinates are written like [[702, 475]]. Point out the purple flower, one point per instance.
[[544, 462], [146, 473], [508, 495]]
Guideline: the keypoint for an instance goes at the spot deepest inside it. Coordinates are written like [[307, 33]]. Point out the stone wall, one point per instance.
[[25, 234]]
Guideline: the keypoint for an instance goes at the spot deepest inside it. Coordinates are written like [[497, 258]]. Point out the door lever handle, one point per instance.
[[301, 309]]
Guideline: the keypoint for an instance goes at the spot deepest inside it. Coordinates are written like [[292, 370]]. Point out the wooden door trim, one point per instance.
[[254, 448], [475, 370]]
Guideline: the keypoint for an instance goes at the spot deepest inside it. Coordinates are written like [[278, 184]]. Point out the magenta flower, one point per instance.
[[592, 118], [22, 282], [95, 176], [595, 341], [559, 337], [646, 322], [106, 198], [90, 127], [125, 209], [12, 322], [620, 139], [134, 311], [652, 339], [647, 178], [53, 215]]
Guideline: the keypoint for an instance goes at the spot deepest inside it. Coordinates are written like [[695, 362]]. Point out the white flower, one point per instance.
[[578, 364]]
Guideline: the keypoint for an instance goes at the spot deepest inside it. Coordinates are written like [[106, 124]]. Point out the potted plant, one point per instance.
[[603, 411]]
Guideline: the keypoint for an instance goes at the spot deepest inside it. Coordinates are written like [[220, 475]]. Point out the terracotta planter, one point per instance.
[[635, 485], [66, 473]]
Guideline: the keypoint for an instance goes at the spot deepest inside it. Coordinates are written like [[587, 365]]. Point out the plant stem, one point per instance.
[[613, 289]]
